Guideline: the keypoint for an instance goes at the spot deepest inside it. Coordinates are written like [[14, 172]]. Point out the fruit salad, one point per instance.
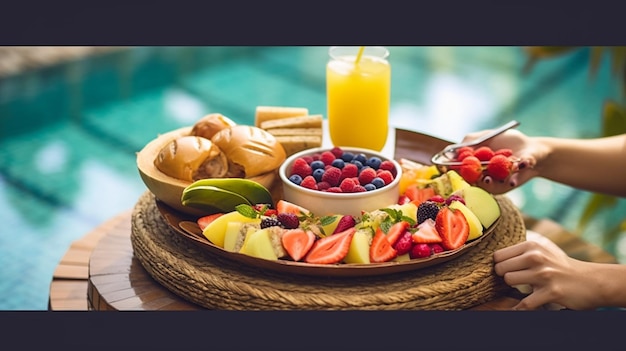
[[435, 213]]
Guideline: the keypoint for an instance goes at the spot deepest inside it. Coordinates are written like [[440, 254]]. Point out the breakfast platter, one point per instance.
[[243, 231]]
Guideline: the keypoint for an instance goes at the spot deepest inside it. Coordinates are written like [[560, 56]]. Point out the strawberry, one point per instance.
[[367, 175], [403, 199], [471, 169], [426, 233], [499, 167], [301, 167], [345, 222], [417, 194], [297, 242], [332, 176], [381, 250], [396, 231], [452, 227], [404, 243], [330, 249], [205, 220], [484, 153]]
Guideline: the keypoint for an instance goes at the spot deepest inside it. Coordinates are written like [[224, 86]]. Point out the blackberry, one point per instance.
[[270, 222], [427, 209]]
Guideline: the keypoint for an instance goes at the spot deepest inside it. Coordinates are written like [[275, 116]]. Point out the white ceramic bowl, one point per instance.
[[322, 203]]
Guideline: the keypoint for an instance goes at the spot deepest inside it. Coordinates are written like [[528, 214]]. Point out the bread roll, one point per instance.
[[250, 151], [191, 158], [210, 124]]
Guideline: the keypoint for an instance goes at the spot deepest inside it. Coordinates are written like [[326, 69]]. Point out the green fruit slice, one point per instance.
[[254, 192], [210, 198]]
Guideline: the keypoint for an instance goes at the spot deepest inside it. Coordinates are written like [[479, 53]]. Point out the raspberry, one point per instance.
[[301, 167], [323, 185], [347, 185], [471, 169], [327, 157], [499, 167], [349, 171], [404, 243], [438, 199], [337, 151], [388, 166], [288, 220], [436, 248], [367, 175], [454, 197], [420, 251], [427, 209], [334, 189], [386, 176], [270, 222], [359, 189], [484, 153], [308, 159], [309, 182], [332, 176], [505, 152]]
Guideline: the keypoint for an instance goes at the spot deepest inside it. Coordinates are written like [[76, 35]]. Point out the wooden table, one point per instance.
[[99, 271]]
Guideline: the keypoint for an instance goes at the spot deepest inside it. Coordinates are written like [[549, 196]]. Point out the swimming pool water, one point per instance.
[[69, 133]]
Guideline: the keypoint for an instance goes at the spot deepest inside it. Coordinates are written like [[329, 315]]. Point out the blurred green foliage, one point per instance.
[[613, 116]]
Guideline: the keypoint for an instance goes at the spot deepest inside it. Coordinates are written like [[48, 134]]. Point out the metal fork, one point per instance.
[[443, 159]]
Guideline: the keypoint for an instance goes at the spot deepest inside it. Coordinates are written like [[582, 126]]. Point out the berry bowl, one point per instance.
[[324, 192]]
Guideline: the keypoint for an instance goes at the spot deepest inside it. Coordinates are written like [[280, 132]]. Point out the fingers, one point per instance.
[[532, 301]]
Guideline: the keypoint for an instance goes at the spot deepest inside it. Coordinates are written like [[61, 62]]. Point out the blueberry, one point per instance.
[[339, 163], [296, 179], [347, 156], [378, 182], [369, 187], [361, 158], [318, 173], [374, 162], [317, 164], [358, 164]]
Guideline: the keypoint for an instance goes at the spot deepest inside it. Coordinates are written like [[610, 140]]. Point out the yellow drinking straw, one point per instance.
[[358, 56]]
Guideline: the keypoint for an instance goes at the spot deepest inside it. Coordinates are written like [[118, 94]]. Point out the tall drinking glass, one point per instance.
[[358, 92]]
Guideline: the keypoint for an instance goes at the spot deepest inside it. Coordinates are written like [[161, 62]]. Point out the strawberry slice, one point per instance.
[[381, 249], [297, 242], [204, 221], [345, 222], [331, 249], [417, 194], [396, 231], [426, 233], [452, 227]]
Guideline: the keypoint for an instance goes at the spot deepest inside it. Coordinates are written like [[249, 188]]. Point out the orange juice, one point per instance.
[[358, 96]]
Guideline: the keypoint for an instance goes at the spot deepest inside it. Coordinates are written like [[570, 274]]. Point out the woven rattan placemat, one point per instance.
[[216, 282]]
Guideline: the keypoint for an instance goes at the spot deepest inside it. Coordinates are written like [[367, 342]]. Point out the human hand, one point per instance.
[[553, 276], [526, 149]]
